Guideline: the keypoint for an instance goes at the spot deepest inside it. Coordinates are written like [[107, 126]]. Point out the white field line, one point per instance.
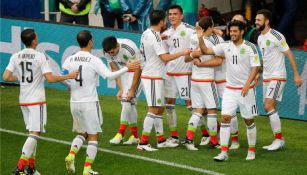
[[163, 162]]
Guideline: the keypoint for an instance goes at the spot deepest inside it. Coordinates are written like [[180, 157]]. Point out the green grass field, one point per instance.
[[50, 155]]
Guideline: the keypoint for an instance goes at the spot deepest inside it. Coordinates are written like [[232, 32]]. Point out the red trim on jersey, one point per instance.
[[274, 79], [130, 71], [32, 104], [238, 88], [179, 74], [200, 80], [152, 78], [220, 81]]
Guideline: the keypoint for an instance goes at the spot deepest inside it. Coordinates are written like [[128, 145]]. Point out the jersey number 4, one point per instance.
[[79, 77], [26, 66]]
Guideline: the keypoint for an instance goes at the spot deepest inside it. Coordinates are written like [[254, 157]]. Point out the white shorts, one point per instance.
[[273, 89], [178, 86], [204, 95], [247, 105], [87, 117], [35, 117], [153, 89], [220, 88], [126, 80]]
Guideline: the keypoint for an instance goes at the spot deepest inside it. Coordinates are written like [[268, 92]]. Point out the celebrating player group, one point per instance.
[[193, 63]]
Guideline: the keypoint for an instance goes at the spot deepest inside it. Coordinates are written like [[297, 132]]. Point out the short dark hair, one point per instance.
[[27, 36], [84, 37], [109, 43], [266, 13], [156, 16], [239, 24], [175, 6], [205, 22]]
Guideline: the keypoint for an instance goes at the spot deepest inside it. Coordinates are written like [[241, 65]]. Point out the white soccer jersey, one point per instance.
[[272, 45], [30, 67], [151, 48], [239, 61], [178, 40], [127, 51], [83, 88], [220, 71], [202, 74]]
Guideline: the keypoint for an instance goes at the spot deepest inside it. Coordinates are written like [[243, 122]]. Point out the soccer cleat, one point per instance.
[[173, 140], [276, 145], [70, 164], [204, 141], [234, 145], [116, 139], [250, 155], [88, 171], [145, 148], [31, 171], [167, 144], [189, 145], [131, 140], [213, 146], [17, 172], [221, 157]]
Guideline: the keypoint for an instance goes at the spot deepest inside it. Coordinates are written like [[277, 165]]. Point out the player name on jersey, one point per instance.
[[26, 56], [83, 59]]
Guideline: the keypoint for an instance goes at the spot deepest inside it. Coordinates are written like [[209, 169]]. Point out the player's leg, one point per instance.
[[91, 153], [273, 93], [134, 137], [234, 131]]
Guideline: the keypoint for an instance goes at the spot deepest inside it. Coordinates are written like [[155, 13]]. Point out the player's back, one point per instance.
[[30, 66], [83, 88]]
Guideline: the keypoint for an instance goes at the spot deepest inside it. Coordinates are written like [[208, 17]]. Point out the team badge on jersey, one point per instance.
[[242, 51], [159, 101], [125, 57], [268, 42], [182, 33]]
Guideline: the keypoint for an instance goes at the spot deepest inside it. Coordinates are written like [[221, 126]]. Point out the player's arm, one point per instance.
[[114, 68], [249, 81], [135, 82], [169, 57], [8, 76], [193, 55], [56, 78], [217, 61], [291, 58], [204, 49]]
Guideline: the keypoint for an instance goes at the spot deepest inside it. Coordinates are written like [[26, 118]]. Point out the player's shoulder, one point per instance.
[[215, 39], [188, 26], [251, 46], [125, 47], [275, 34]]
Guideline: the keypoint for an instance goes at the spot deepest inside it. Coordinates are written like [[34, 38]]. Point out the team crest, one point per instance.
[[268, 42], [159, 101], [242, 51], [182, 33], [125, 57]]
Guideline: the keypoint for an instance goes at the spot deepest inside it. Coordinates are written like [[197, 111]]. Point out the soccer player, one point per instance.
[[274, 48], [155, 58], [31, 68], [84, 103], [242, 62], [118, 52], [178, 73], [204, 92]]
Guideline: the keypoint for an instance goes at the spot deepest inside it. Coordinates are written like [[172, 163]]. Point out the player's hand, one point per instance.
[[196, 61], [164, 37], [74, 8], [73, 74], [257, 79], [245, 90], [196, 53], [186, 52], [199, 31], [297, 81], [218, 32], [130, 95], [119, 94], [133, 64]]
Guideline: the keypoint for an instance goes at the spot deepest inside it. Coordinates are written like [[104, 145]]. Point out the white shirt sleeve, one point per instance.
[[45, 66], [219, 49], [158, 47], [105, 72], [194, 42], [254, 57], [282, 44], [11, 65]]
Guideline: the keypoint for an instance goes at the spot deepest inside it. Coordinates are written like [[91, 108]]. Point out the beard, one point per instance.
[[261, 28]]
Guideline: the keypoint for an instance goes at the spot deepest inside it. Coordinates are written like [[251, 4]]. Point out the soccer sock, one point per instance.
[[124, 117], [275, 123], [133, 121], [234, 129], [172, 119], [251, 133], [192, 126], [31, 161], [147, 127], [76, 145], [212, 126], [190, 108], [203, 128], [224, 136], [91, 152], [27, 151], [158, 123]]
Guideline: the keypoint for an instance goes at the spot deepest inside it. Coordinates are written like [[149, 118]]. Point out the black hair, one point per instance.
[[205, 22], [156, 16], [175, 6], [109, 43], [84, 37], [266, 13], [27, 36], [241, 25]]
